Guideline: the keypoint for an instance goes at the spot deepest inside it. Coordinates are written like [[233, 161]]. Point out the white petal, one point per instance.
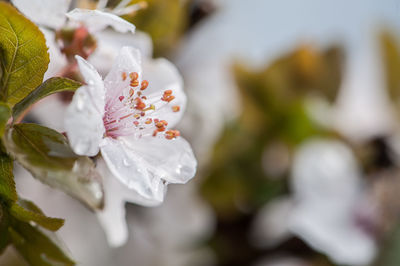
[[49, 13], [130, 168], [110, 43], [84, 120], [163, 75], [170, 160], [96, 20], [94, 81], [327, 186], [128, 60], [89, 73], [112, 217]]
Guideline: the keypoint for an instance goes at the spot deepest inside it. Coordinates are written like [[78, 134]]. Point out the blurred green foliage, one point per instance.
[[165, 21], [274, 111], [274, 120]]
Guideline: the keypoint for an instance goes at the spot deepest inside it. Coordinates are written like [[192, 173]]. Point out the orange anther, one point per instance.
[[124, 76], [167, 92], [140, 105], [171, 134], [134, 83], [144, 85], [176, 108], [131, 92], [148, 121], [133, 76]]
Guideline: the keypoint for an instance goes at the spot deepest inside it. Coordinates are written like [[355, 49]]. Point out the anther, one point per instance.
[[176, 108], [124, 76], [134, 83], [133, 75], [171, 134], [144, 85], [121, 98]]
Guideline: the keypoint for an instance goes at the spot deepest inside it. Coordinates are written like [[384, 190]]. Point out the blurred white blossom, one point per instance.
[[328, 193]]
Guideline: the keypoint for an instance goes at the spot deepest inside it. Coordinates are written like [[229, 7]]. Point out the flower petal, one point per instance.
[[96, 20], [112, 217], [49, 13], [84, 116], [130, 168], [163, 75], [89, 73], [171, 160], [128, 60], [84, 120], [109, 43]]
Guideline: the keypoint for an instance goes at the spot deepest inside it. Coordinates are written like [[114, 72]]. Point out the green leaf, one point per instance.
[[46, 154], [5, 114], [7, 185], [389, 253], [37, 247], [4, 223], [23, 55], [27, 211], [50, 86]]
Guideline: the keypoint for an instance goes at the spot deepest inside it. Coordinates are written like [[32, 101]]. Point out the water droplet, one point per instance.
[[126, 162], [80, 103]]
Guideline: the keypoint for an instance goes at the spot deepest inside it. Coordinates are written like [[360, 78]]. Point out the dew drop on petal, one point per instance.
[[80, 103], [126, 162]]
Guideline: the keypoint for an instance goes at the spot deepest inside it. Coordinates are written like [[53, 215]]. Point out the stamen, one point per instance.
[[140, 105], [121, 98], [134, 83], [133, 76], [151, 107], [148, 121], [176, 108], [124, 76], [171, 134], [144, 85], [168, 98], [131, 92]]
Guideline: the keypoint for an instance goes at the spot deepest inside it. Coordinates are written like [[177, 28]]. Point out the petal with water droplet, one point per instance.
[[131, 169], [170, 160], [84, 123]]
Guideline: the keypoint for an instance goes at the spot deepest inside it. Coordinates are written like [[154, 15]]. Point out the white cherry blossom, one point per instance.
[[127, 117], [53, 15], [327, 187]]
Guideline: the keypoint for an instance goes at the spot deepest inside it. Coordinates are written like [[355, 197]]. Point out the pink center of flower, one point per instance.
[[133, 113]]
